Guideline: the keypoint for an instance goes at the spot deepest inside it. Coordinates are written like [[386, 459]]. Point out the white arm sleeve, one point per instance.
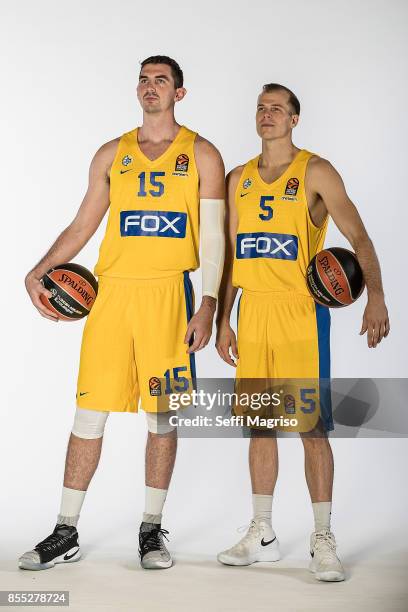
[[212, 241]]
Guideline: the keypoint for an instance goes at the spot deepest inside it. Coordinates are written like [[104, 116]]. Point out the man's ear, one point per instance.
[[295, 120], [180, 93]]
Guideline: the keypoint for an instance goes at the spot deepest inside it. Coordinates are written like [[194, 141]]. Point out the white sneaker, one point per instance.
[[325, 564], [259, 544]]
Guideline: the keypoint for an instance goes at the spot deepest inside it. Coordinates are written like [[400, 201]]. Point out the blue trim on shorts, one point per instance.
[[323, 335], [188, 293], [238, 307]]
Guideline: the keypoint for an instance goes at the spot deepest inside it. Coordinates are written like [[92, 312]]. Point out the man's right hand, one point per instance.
[[35, 288], [226, 340]]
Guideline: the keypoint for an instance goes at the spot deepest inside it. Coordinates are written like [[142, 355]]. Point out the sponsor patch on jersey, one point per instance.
[[182, 163], [155, 386], [157, 223], [264, 244], [292, 186], [247, 184], [290, 404], [127, 160], [289, 199]]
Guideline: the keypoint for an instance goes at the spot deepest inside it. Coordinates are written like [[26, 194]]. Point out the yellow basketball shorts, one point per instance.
[[285, 336], [133, 344]]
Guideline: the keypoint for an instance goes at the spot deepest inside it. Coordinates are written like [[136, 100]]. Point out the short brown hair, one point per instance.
[[293, 101], [176, 71]]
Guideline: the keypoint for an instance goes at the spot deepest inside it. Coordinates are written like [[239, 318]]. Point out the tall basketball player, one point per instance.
[[157, 180], [278, 209]]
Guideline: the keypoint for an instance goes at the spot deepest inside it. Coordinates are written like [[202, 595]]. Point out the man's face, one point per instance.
[[156, 91], [274, 118]]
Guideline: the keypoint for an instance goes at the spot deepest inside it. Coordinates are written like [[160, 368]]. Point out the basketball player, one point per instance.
[[141, 335], [278, 209]]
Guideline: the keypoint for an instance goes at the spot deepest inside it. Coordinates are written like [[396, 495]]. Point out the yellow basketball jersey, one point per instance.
[[153, 223], [276, 237]]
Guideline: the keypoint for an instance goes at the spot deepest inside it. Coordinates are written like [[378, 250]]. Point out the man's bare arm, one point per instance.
[[226, 338], [80, 230], [324, 180]]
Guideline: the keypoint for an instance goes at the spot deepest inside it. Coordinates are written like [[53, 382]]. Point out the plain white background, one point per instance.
[[69, 73]]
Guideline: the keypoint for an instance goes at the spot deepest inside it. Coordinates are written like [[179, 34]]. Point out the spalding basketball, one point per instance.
[[73, 289], [334, 277]]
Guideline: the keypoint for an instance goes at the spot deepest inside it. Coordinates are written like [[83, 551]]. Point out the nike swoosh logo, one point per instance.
[[244, 194], [123, 171], [83, 393], [263, 543], [70, 556]]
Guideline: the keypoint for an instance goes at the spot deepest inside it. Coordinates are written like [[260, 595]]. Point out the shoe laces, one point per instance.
[[254, 530], [54, 541], [152, 540], [325, 543]]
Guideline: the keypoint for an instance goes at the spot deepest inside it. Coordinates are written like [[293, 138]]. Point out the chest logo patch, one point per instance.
[[182, 162], [153, 223], [264, 244], [292, 186], [127, 160]]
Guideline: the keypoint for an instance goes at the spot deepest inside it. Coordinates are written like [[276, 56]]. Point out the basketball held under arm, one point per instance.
[[326, 181], [90, 213], [76, 235]]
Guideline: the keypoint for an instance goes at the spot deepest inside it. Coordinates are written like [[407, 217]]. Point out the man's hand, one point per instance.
[[375, 321], [200, 325], [35, 288], [227, 340]]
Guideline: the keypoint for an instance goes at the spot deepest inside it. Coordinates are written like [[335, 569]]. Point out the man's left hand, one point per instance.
[[375, 321]]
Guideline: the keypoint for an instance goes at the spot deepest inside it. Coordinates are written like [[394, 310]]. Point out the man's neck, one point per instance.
[[277, 152], [158, 127]]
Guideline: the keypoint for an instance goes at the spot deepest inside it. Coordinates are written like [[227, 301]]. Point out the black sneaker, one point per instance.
[[152, 550], [60, 547]]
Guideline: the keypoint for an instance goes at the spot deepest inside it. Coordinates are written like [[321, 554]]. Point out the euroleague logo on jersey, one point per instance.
[[182, 163], [292, 186], [155, 386]]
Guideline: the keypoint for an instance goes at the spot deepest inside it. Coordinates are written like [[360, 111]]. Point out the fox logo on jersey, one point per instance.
[[265, 244], [159, 223]]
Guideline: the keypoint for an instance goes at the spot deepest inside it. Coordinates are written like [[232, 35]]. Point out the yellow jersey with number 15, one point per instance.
[[276, 237], [153, 224]]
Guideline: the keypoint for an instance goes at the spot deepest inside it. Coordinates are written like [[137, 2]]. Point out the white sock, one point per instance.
[[71, 504], [154, 502], [322, 512], [262, 505]]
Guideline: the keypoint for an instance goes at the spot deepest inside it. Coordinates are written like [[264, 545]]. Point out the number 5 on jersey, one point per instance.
[[269, 210]]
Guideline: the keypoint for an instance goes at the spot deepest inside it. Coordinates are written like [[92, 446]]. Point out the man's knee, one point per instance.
[[89, 424], [159, 422]]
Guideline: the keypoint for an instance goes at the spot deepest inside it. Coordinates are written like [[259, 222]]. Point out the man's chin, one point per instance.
[[150, 109]]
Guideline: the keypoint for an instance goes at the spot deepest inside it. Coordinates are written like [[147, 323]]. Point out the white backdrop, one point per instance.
[[69, 73]]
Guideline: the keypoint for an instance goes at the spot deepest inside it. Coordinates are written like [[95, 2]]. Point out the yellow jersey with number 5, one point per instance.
[[153, 224], [276, 237]]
